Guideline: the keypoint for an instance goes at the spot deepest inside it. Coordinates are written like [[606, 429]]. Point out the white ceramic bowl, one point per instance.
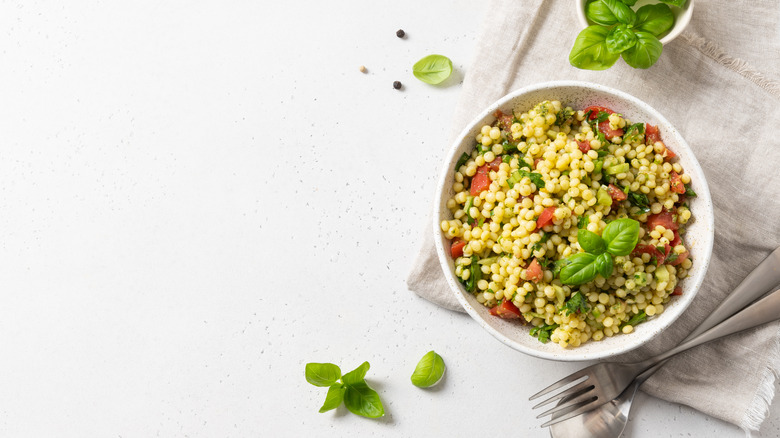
[[682, 16], [698, 237]]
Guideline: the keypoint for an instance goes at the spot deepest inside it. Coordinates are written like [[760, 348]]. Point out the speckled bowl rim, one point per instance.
[[703, 213]]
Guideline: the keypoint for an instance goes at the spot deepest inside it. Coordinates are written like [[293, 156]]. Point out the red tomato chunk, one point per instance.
[[481, 180], [546, 218], [535, 272], [457, 248], [506, 310], [664, 218], [616, 193]]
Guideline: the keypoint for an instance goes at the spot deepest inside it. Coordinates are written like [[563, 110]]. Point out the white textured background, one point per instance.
[[197, 198]]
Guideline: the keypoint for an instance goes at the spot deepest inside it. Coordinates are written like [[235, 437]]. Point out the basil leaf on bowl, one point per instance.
[[591, 242], [433, 69], [620, 39], [604, 265], [322, 374], [361, 400], [599, 13], [645, 52], [581, 269], [334, 397], [622, 12], [656, 19], [429, 370], [621, 236], [590, 50]]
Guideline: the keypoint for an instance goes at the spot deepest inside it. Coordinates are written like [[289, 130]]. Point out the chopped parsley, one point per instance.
[[543, 332], [576, 303], [640, 201], [689, 192], [564, 116], [635, 320], [509, 147], [474, 276], [582, 222], [519, 174], [462, 160], [672, 258], [635, 134]]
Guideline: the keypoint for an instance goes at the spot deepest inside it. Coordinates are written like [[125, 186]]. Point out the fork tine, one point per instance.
[[570, 393], [571, 378], [583, 407], [586, 395]]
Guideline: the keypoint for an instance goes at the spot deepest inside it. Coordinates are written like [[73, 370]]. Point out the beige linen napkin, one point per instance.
[[718, 84]]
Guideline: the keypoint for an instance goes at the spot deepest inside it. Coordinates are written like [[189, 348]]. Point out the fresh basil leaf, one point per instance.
[[656, 19], [604, 264], [591, 242], [678, 3], [689, 192], [322, 374], [582, 269], [576, 303], [599, 13], [558, 265], [620, 39], [622, 12], [361, 400], [433, 69], [621, 236], [356, 375], [462, 160], [645, 52], [334, 397], [639, 200], [590, 49], [429, 370], [543, 332]]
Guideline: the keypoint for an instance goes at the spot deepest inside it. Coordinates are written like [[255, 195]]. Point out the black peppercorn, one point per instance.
[[400, 33], [397, 85]]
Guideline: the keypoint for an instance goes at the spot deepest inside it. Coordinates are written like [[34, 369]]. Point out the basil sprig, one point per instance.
[[429, 370], [618, 239], [350, 388], [621, 31]]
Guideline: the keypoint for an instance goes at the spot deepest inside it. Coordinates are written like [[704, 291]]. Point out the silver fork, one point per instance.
[[602, 382]]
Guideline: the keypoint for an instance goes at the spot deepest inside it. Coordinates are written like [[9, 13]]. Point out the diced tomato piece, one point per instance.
[[653, 251], [457, 247], [584, 146], [664, 218], [609, 132], [534, 271], [677, 239], [651, 134], [616, 194], [481, 181], [494, 164], [536, 162], [680, 258], [504, 120], [676, 184], [494, 310], [668, 154], [506, 310], [595, 111], [546, 218], [677, 291]]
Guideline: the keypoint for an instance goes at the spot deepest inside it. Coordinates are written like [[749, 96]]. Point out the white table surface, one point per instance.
[[199, 198]]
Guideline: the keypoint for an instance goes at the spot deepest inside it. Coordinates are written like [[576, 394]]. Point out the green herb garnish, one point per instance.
[[351, 388], [429, 370], [543, 332], [618, 239], [576, 303], [433, 69]]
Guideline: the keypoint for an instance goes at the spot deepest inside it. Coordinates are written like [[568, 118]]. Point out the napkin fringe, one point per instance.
[[740, 66], [759, 408]]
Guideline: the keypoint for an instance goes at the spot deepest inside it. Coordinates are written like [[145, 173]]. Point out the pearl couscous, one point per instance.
[[570, 221]]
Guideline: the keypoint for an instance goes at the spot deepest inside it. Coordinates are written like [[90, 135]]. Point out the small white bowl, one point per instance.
[[682, 16], [699, 236]]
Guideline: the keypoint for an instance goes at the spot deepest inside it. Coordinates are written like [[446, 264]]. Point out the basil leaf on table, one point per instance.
[[645, 52], [590, 50], [620, 39], [599, 13], [604, 265], [678, 3], [621, 236], [357, 375], [623, 13], [656, 19], [581, 269], [433, 69], [322, 374], [334, 398], [429, 370], [591, 242], [361, 400]]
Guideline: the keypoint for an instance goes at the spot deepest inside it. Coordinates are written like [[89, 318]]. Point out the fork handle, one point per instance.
[[763, 311], [757, 283]]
